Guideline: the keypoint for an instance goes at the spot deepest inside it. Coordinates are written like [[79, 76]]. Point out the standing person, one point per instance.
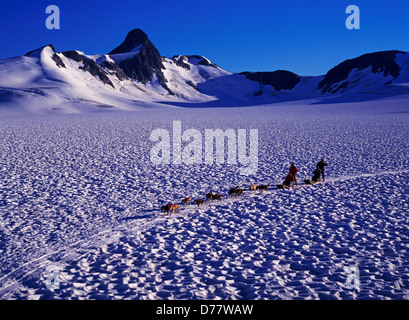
[[321, 165], [294, 171]]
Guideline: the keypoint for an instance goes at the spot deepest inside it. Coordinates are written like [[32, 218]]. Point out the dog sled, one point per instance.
[[306, 182], [311, 182]]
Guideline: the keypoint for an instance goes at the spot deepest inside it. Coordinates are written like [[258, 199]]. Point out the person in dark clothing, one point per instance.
[[316, 175], [289, 181], [321, 165], [293, 170]]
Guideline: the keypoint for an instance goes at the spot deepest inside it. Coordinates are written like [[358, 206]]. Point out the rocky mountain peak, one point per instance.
[[133, 40]]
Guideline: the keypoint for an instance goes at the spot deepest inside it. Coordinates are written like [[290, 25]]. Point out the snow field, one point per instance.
[[80, 192]]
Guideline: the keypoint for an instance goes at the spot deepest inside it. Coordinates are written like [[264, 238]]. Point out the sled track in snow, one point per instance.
[[73, 251], [37, 266]]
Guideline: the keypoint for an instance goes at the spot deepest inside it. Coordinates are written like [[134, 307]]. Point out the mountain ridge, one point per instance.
[[135, 72]]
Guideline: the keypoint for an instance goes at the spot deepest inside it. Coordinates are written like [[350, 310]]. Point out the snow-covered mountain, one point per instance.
[[135, 75]]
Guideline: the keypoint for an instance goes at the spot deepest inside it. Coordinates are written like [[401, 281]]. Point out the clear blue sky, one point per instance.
[[307, 37]]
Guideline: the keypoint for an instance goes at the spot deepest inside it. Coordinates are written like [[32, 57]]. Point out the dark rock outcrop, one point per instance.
[[114, 69], [202, 61], [55, 57], [279, 80], [190, 83], [41, 48], [134, 39], [147, 61], [90, 66], [180, 61], [58, 61], [383, 61]]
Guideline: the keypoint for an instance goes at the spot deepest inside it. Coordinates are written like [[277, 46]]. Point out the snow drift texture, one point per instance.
[[79, 192]]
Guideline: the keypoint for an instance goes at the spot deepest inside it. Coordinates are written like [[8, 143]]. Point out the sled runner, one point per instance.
[[311, 182]]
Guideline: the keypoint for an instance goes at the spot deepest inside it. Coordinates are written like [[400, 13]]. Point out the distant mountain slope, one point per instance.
[[280, 79], [134, 74], [383, 63]]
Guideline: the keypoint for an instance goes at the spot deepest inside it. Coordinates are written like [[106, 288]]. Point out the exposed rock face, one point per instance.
[[114, 69], [41, 48], [279, 79], [181, 62], [147, 61], [202, 61], [133, 40], [89, 65], [190, 83], [58, 61], [379, 61], [55, 57]]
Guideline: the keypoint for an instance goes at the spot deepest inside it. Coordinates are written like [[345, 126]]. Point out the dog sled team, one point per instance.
[[233, 192], [289, 182]]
